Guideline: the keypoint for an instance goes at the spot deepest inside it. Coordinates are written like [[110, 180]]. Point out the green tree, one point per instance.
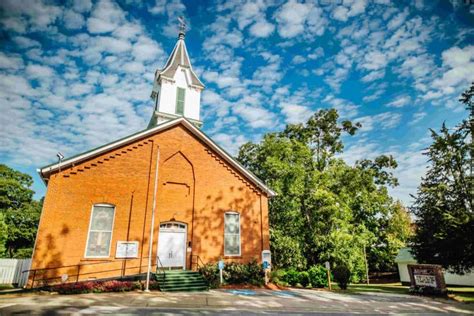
[[19, 213], [325, 210], [444, 201]]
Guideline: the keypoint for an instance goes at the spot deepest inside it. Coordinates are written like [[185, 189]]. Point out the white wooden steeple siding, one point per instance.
[[177, 88]]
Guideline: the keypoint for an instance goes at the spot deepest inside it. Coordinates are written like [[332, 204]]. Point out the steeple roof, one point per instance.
[[179, 57]]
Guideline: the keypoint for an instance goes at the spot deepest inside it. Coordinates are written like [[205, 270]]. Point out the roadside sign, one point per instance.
[[327, 265], [221, 267], [266, 265]]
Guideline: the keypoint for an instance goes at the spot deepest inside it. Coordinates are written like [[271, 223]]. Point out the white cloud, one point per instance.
[[146, 49], [256, 117], [39, 71], [262, 29], [398, 19], [349, 9], [295, 113], [36, 15], [73, 20], [374, 60], [106, 17], [417, 117], [82, 6], [385, 120], [400, 101], [10, 61], [230, 142], [459, 65], [298, 59], [296, 18], [25, 42]]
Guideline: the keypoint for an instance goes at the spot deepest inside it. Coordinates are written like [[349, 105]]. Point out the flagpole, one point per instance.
[[150, 248]]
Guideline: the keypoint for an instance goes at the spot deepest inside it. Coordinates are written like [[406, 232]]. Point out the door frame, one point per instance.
[[176, 227]]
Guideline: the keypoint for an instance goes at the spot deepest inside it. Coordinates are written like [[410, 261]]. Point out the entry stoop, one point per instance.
[[181, 280]]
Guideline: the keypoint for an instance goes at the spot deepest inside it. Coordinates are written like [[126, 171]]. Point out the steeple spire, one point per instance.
[[177, 88], [182, 28]]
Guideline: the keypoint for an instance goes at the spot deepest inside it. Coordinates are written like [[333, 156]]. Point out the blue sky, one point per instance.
[[78, 74]]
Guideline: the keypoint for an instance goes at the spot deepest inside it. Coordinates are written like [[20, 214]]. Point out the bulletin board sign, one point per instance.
[[427, 279], [127, 249]]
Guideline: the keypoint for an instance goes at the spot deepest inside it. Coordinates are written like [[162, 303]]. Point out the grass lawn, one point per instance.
[[463, 294], [5, 287], [395, 288]]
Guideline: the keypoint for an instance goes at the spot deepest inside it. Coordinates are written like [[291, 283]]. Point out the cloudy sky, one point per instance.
[[79, 74]]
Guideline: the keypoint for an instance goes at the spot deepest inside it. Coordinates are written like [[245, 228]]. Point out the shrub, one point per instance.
[[96, 287], [278, 277], [210, 273], [292, 277], [118, 286], [154, 285], [74, 288], [234, 273], [318, 276], [237, 273], [304, 278], [342, 275]]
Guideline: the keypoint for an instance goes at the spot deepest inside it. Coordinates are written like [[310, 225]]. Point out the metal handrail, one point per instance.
[[158, 263], [78, 266], [198, 259]]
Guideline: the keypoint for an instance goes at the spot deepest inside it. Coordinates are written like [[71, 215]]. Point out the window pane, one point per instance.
[[99, 244], [232, 224], [102, 218], [180, 101], [232, 245]]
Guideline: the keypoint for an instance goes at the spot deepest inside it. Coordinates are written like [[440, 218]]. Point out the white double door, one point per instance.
[[172, 249]]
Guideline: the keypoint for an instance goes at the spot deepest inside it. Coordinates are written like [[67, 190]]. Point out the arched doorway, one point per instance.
[[172, 244]]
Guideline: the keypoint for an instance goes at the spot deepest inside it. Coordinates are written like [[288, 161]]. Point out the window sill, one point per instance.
[[232, 257], [97, 259]]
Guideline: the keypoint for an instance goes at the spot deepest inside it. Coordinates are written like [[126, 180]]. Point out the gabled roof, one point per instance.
[[179, 57], [46, 171]]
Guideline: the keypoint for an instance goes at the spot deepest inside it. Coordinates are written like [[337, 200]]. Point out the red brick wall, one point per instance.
[[195, 187]]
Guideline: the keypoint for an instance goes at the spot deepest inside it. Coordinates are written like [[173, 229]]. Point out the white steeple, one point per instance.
[[176, 88]]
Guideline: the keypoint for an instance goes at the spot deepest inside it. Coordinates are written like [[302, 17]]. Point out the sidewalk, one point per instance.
[[246, 301]]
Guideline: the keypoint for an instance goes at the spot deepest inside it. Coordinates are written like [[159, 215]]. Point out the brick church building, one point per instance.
[[97, 215]]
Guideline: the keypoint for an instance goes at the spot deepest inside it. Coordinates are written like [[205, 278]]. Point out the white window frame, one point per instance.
[[240, 236], [89, 231], [184, 100]]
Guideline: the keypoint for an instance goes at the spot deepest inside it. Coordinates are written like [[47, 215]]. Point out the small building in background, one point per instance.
[[405, 257]]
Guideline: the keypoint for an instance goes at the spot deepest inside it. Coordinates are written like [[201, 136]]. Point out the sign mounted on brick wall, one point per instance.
[[127, 249]]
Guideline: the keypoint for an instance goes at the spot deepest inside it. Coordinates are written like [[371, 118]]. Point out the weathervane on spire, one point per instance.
[[182, 27]]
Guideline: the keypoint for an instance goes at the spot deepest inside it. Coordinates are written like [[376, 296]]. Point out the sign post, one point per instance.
[[328, 271], [266, 263], [221, 267]]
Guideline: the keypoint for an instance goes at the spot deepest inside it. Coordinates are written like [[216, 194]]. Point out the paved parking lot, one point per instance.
[[228, 302]]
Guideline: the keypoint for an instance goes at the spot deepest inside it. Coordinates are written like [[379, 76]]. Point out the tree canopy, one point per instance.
[[325, 209], [444, 201], [19, 213]]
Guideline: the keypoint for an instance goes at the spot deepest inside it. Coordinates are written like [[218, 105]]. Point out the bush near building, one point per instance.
[[315, 277], [96, 287], [234, 273]]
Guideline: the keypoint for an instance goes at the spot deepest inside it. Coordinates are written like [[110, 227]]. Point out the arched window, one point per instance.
[[231, 234], [101, 225], [172, 225]]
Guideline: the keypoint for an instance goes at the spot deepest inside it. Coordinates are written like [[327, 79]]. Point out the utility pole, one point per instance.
[[150, 249], [366, 266]]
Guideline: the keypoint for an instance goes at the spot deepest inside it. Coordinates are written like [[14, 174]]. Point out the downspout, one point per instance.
[[261, 223]]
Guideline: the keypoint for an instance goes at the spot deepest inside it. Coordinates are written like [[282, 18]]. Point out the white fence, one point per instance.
[[11, 271]]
